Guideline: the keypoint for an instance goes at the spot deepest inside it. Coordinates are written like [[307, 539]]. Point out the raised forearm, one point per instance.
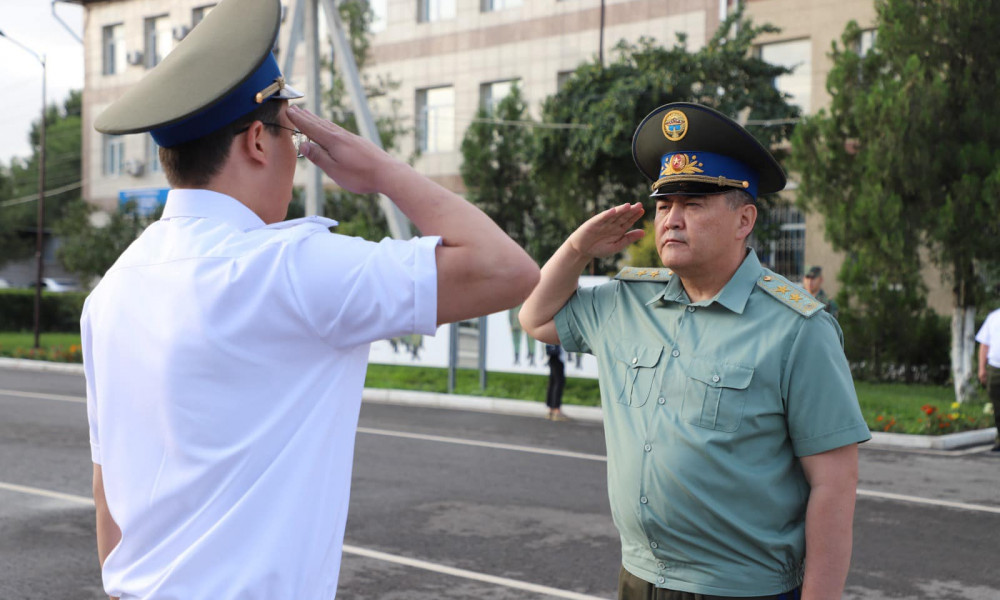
[[559, 280]]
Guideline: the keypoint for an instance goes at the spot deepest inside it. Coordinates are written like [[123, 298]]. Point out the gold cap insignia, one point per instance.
[[675, 125]]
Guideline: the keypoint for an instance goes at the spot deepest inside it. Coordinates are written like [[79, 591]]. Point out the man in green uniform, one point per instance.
[[813, 282], [730, 414]]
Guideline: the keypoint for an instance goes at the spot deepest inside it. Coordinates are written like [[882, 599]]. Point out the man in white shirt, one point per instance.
[[225, 351], [989, 364]]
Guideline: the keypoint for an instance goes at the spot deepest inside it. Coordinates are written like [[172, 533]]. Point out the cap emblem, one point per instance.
[[681, 163], [675, 125]]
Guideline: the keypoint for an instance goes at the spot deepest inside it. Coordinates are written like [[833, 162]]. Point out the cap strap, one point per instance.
[[264, 94], [720, 181]]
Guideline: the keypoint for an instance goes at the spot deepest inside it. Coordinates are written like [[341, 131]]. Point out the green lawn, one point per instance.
[[893, 407]]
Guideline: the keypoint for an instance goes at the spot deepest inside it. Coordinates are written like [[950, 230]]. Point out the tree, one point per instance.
[[360, 214], [496, 154], [19, 181], [587, 164], [908, 157]]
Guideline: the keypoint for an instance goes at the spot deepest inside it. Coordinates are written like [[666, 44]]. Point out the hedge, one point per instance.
[[60, 311]]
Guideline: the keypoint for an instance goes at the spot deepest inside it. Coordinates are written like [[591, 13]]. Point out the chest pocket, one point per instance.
[[715, 394], [636, 369]]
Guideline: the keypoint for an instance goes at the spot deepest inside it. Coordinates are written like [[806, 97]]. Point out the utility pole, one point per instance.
[[40, 224]]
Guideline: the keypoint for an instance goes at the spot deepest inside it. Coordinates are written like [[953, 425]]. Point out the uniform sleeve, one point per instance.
[[353, 291], [820, 401], [580, 322], [87, 347]]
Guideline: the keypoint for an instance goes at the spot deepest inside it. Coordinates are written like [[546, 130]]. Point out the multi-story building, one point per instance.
[[452, 56]]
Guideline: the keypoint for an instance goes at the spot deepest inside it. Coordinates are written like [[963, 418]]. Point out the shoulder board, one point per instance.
[[644, 274], [313, 220], [789, 294]]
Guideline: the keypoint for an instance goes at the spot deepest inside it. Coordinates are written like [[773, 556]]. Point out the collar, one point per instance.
[[733, 295], [206, 204]]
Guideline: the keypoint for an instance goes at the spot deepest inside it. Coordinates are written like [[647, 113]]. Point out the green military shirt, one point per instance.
[[707, 406]]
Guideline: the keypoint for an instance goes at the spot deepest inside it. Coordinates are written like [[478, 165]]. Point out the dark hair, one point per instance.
[[194, 163]]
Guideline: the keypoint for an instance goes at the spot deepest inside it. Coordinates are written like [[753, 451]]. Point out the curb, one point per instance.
[[527, 408]]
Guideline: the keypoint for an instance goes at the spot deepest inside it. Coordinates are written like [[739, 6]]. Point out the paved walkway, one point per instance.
[[526, 408]]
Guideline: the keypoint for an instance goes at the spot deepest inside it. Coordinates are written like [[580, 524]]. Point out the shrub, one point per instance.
[[59, 312]]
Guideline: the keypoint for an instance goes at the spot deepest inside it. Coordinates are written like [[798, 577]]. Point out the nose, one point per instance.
[[674, 217]]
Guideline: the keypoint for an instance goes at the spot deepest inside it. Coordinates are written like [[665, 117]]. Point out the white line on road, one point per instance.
[[20, 394], [374, 554], [466, 442], [546, 451]]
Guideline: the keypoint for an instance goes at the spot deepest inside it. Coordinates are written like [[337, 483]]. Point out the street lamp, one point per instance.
[[39, 242]]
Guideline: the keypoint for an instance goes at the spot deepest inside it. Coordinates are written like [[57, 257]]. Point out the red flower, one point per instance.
[[928, 409], [878, 418]]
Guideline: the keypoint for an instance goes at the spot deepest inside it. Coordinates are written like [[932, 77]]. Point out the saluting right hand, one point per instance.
[[609, 232]]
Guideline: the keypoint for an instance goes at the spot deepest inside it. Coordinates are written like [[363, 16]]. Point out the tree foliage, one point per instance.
[[908, 156], [19, 180], [496, 155], [587, 166]]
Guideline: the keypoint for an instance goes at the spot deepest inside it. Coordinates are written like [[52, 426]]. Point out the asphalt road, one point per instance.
[[457, 504]]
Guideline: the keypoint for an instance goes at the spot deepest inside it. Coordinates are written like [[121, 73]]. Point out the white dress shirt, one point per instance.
[[989, 335], [225, 361]]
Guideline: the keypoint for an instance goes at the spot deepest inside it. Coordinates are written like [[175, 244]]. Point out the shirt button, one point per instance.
[[647, 447], [690, 309], [660, 565], [661, 580], [635, 360], [661, 400], [643, 499], [715, 378], [653, 545], [675, 353]]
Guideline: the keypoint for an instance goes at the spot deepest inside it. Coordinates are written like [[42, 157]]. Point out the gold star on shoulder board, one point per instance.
[[795, 297], [654, 273], [781, 289]]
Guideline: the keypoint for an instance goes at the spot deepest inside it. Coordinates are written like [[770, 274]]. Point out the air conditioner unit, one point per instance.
[[181, 31], [134, 168], [134, 57]]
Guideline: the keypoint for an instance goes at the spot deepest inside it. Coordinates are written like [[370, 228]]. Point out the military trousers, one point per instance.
[[631, 587], [993, 390]]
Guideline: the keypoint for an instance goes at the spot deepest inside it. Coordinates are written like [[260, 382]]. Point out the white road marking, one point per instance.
[[466, 442], [517, 448], [60, 398], [365, 552]]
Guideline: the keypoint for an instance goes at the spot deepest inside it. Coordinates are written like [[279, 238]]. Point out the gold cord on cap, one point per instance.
[[270, 90]]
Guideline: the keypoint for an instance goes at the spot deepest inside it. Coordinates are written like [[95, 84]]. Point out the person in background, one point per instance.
[[557, 381], [225, 351], [730, 415], [813, 281], [989, 365]]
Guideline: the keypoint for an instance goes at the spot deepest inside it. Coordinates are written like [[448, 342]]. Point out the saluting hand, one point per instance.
[[608, 232], [356, 164]]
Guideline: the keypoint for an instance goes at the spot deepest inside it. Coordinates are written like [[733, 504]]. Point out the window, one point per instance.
[[380, 10], [435, 10], [113, 44], [152, 155], [785, 252], [562, 77], [200, 13], [436, 119], [113, 154], [866, 42], [495, 5], [159, 40], [795, 55], [490, 94]]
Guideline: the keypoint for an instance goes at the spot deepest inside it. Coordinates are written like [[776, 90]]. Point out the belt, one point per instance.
[[795, 594]]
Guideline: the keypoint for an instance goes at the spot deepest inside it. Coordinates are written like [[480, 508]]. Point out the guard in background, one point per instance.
[[813, 281], [225, 351], [730, 414]]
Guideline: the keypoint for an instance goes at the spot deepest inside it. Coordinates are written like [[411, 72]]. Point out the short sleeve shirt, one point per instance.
[[708, 406], [989, 335], [225, 361]]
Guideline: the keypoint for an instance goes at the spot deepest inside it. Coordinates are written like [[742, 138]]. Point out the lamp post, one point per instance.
[[39, 241]]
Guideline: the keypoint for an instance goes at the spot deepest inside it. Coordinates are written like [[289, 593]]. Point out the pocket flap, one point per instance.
[[720, 374], [636, 356]]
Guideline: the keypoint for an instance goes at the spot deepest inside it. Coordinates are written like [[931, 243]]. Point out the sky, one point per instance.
[[31, 23]]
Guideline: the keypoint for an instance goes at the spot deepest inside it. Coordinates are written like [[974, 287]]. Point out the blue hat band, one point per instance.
[[237, 103], [706, 167]]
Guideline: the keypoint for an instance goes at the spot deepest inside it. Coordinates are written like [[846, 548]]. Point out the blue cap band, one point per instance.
[[705, 166], [242, 100]]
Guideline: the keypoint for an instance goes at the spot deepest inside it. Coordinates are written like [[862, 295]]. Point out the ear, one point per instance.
[[748, 218], [252, 145]]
